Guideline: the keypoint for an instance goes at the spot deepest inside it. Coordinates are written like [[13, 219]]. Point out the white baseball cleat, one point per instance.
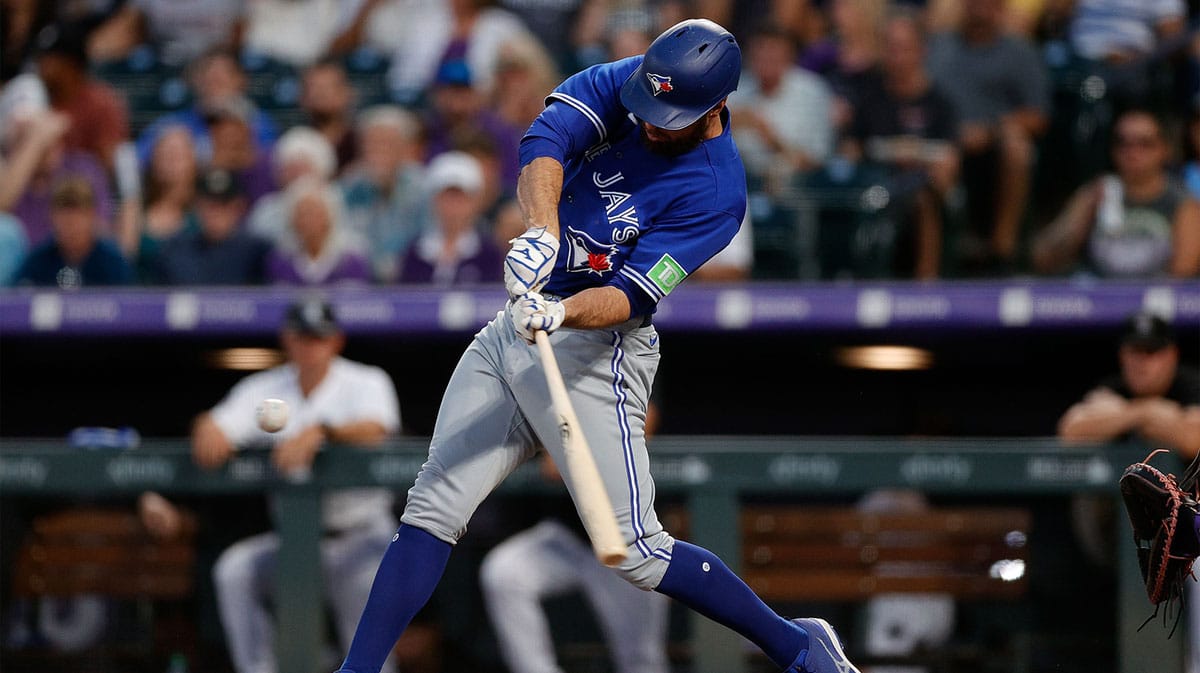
[[825, 653]]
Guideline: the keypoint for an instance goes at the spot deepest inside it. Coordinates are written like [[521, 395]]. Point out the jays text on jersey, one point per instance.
[[629, 217]]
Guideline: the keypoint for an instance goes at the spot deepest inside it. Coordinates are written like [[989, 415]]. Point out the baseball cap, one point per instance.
[[218, 184], [1147, 331], [313, 317], [455, 169]]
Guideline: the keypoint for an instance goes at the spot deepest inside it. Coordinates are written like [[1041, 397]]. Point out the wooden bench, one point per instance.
[[107, 552], [809, 553], [103, 551]]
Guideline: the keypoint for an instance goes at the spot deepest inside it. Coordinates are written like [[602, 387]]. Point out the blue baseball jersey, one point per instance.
[[629, 217]]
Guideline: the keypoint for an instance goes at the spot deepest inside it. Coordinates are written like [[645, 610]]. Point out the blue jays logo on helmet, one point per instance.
[[659, 83]]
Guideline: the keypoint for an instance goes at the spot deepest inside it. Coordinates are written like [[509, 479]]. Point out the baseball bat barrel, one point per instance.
[[595, 508]]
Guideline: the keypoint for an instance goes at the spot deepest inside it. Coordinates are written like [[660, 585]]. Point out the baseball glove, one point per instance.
[[1162, 512]]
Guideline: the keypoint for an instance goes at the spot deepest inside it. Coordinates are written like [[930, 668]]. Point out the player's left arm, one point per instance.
[[596, 308], [1172, 424], [373, 416]]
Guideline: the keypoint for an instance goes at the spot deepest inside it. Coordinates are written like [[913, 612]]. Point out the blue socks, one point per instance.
[[407, 576], [701, 581]]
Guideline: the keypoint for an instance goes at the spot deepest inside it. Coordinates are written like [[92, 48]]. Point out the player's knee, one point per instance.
[[644, 566], [232, 571], [495, 573]]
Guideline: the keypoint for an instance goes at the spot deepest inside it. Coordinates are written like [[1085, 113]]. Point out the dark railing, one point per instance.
[[711, 474]]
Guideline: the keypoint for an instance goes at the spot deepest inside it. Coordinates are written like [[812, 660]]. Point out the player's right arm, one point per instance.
[[210, 446], [1101, 416]]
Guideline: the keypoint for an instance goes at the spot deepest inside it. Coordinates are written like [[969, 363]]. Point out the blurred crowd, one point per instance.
[[320, 142]]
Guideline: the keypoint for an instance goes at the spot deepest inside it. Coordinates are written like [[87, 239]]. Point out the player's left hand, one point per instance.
[[532, 312], [528, 264], [297, 452]]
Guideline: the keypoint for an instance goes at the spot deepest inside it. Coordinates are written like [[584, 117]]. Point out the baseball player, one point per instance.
[[332, 399], [630, 180]]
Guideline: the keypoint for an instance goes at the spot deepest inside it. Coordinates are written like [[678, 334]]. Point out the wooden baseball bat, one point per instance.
[[595, 508]]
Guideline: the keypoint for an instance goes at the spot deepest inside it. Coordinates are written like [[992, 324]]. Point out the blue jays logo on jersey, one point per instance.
[[660, 83], [586, 254]]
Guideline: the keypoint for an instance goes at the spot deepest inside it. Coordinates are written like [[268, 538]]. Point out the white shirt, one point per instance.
[[297, 32], [799, 113], [350, 392]]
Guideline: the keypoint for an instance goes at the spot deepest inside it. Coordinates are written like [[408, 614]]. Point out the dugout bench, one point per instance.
[[712, 474]]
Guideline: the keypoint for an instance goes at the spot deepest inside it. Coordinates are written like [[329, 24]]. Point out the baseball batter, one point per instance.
[[630, 180]]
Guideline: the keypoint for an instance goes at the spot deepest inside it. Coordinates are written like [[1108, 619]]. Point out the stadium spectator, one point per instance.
[[217, 251], [168, 199], [1119, 32], [34, 156], [292, 32], [482, 146], [1191, 164], [385, 190], [300, 152], [20, 22], [324, 253], [998, 85], [525, 75], [1153, 397], [556, 25], [76, 256], [454, 249], [902, 140], [406, 32], [233, 148], [742, 17], [784, 123], [328, 99], [507, 223], [99, 118], [179, 32], [332, 401], [627, 32], [473, 34], [214, 77], [457, 105], [848, 59], [13, 248], [1138, 222]]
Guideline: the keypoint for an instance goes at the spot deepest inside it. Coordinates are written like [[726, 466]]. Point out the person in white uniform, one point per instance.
[[331, 400]]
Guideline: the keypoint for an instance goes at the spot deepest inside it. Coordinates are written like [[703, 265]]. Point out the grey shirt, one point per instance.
[[985, 81]]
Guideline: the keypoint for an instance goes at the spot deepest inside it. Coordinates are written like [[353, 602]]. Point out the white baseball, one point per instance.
[[271, 414]]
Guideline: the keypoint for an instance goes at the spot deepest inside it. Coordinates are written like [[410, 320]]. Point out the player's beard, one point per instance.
[[688, 139]]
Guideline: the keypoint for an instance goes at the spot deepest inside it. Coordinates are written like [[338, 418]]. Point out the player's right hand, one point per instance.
[[532, 312], [529, 262]]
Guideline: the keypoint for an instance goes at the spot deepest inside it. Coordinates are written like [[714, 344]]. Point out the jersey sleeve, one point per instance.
[[234, 414], [666, 254], [580, 113], [374, 400]]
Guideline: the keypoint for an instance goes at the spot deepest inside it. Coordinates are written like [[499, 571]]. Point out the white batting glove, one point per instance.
[[532, 313], [528, 264]]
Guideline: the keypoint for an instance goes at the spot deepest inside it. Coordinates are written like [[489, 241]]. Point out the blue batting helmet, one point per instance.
[[686, 71]]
